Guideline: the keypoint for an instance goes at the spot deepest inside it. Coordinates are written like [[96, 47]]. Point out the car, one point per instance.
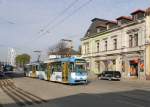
[[8, 69], [2, 74], [110, 75]]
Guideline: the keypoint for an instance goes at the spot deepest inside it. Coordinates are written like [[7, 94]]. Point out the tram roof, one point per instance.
[[67, 59], [34, 63], [72, 59]]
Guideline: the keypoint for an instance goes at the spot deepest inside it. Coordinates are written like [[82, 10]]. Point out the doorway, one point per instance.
[[134, 68]]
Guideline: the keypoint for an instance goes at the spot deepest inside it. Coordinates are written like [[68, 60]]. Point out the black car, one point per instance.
[[110, 75], [2, 73]]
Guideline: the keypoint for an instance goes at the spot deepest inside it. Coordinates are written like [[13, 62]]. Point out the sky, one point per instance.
[[29, 25]]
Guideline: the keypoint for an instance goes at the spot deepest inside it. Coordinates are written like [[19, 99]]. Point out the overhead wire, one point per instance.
[[64, 19], [59, 15], [44, 32]]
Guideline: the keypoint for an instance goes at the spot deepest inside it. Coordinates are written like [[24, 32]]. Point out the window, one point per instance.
[[119, 22], [115, 43], [88, 33], [97, 46], [88, 50], [71, 67], [98, 30], [136, 39], [130, 41], [135, 17], [84, 48], [106, 45], [133, 40]]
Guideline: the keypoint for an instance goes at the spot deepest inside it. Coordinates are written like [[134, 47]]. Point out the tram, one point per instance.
[[34, 69], [64, 70], [68, 70]]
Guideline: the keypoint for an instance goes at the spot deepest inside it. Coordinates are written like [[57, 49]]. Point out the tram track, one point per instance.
[[18, 95]]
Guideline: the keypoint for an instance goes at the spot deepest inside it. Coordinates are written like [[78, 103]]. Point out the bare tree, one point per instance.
[[59, 49]]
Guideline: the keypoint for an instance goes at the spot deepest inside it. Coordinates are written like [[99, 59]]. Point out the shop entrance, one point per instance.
[[134, 68]]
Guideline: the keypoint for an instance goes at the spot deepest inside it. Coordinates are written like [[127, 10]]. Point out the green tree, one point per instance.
[[22, 59]]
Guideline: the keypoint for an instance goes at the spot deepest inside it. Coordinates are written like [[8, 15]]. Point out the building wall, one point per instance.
[[123, 53], [147, 54]]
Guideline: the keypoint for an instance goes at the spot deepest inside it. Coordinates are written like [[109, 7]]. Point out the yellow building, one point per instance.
[[121, 45]]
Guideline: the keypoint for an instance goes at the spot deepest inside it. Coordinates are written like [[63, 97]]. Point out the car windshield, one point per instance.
[[8, 68], [117, 73]]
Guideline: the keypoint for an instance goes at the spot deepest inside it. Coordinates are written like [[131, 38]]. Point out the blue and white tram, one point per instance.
[[64, 70], [68, 70], [35, 69]]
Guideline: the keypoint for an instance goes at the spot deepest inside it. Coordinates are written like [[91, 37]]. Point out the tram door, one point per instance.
[[65, 72], [34, 71], [48, 71]]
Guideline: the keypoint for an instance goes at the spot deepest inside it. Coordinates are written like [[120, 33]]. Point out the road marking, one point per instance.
[[20, 96], [32, 95], [25, 94], [26, 101], [18, 102], [129, 103]]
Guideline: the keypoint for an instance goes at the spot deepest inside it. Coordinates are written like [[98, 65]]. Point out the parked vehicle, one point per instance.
[[2, 74], [110, 75], [8, 69]]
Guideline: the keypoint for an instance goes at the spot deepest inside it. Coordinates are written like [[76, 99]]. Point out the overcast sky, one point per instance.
[[29, 25]]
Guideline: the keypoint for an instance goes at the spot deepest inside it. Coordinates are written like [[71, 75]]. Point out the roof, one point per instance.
[[124, 17], [137, 11], [113, 22], [96, 22], [99, 20]]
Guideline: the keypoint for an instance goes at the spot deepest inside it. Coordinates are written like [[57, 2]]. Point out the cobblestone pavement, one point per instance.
[[22, 91]]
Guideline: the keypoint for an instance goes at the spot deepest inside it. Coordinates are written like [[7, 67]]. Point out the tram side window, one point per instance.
[[37, 67], [42, 67], [71, 67], [29, 68], [56, 67]]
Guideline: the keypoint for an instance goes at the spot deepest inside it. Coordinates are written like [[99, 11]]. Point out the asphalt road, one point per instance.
[[19, 91]]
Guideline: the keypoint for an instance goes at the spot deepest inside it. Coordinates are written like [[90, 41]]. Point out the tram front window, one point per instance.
[[80, 67]]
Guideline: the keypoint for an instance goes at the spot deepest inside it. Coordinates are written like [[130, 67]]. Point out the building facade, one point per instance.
[[122, 45]]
